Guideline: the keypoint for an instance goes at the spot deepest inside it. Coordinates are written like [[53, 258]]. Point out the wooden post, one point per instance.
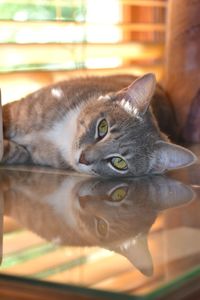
[[1, 224], [182, 73], [1, 130]]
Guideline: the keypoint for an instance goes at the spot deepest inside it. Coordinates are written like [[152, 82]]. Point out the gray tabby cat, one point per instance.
[[96, 125]]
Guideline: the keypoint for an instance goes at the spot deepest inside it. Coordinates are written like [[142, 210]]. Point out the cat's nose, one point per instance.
[[83, 160]]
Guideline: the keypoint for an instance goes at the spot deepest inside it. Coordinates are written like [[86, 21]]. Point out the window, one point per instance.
[[47, 40]]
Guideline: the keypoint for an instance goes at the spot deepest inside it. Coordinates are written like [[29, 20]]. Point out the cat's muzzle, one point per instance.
[[83, 160]]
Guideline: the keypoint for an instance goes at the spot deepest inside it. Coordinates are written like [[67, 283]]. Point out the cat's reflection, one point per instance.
[[113, 214]]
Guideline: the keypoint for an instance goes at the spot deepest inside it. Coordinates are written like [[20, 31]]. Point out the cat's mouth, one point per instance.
[[82, 165], [87, 169]]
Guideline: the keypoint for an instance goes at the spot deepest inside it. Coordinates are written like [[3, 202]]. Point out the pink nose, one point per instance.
[[83, 160]]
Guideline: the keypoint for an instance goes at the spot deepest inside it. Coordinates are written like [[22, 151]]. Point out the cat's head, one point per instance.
[[117, 135]]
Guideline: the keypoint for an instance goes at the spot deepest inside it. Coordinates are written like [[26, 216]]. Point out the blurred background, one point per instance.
[[44, 41]]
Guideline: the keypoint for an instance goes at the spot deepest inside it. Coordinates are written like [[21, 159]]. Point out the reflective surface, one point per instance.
[[134, 236]]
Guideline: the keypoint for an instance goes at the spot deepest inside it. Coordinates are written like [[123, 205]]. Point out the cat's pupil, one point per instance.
[[102, 128], [102, 227], [119, 194], [119, 163]]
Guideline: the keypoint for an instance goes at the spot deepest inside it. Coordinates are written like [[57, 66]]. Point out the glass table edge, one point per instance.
[[163, 291], [66, 288], [175, 284]]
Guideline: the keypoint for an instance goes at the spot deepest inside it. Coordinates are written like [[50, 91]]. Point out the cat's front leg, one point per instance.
[[14, 153]]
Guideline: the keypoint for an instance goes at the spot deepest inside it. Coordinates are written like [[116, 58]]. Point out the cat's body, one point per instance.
[[96, 125]]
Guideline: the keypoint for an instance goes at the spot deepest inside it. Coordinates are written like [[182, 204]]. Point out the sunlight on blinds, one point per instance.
[[104, 31], [45, 41]]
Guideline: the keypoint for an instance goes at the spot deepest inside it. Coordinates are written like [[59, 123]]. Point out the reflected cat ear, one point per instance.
[[137, 97], [179, 193], [170, 156], [137, 252]]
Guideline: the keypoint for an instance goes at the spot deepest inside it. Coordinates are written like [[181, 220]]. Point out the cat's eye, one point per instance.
[[119, 194], [102, 227], [102, 129], [118, 163]]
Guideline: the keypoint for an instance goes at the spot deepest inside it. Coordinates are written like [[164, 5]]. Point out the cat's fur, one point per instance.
[[57, 126], [81, 211]]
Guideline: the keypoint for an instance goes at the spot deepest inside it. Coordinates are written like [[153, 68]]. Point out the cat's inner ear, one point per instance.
[[137, 96], [170, 156]]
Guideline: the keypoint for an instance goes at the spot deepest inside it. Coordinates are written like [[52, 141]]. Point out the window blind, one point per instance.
[[81, 36]]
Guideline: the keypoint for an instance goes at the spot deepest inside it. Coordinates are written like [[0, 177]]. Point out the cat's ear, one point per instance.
[[137, 252], [169, 156], [137, 96]]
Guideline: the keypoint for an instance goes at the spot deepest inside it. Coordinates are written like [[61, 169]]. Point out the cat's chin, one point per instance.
[[85, 169]]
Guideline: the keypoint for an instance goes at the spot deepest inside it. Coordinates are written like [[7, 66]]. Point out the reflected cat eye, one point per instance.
[[101, 226], [102, 129], [118, 163], [119, 194]]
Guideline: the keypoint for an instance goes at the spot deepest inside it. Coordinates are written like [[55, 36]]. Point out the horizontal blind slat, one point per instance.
[[91, 50], [19, 54], [34, 25], [75, 3]]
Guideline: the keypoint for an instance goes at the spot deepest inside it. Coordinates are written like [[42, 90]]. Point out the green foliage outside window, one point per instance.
[[36, 12]]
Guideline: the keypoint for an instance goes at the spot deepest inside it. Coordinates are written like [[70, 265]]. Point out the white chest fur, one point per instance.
[[63, 135]]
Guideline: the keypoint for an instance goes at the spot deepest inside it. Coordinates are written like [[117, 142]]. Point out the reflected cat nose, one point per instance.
[[83, 160]]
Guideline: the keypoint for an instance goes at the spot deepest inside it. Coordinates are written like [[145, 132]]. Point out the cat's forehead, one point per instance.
[[103, 106]]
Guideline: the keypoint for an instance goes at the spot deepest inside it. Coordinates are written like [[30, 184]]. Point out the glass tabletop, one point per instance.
[[133, 237]]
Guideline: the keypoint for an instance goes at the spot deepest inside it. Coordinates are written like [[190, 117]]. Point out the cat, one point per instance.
[[101, 126], [82, 211]]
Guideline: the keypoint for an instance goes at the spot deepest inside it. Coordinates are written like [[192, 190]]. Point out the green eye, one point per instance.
[[102, 227], [102, 128], [119, 194], [119, 163]]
